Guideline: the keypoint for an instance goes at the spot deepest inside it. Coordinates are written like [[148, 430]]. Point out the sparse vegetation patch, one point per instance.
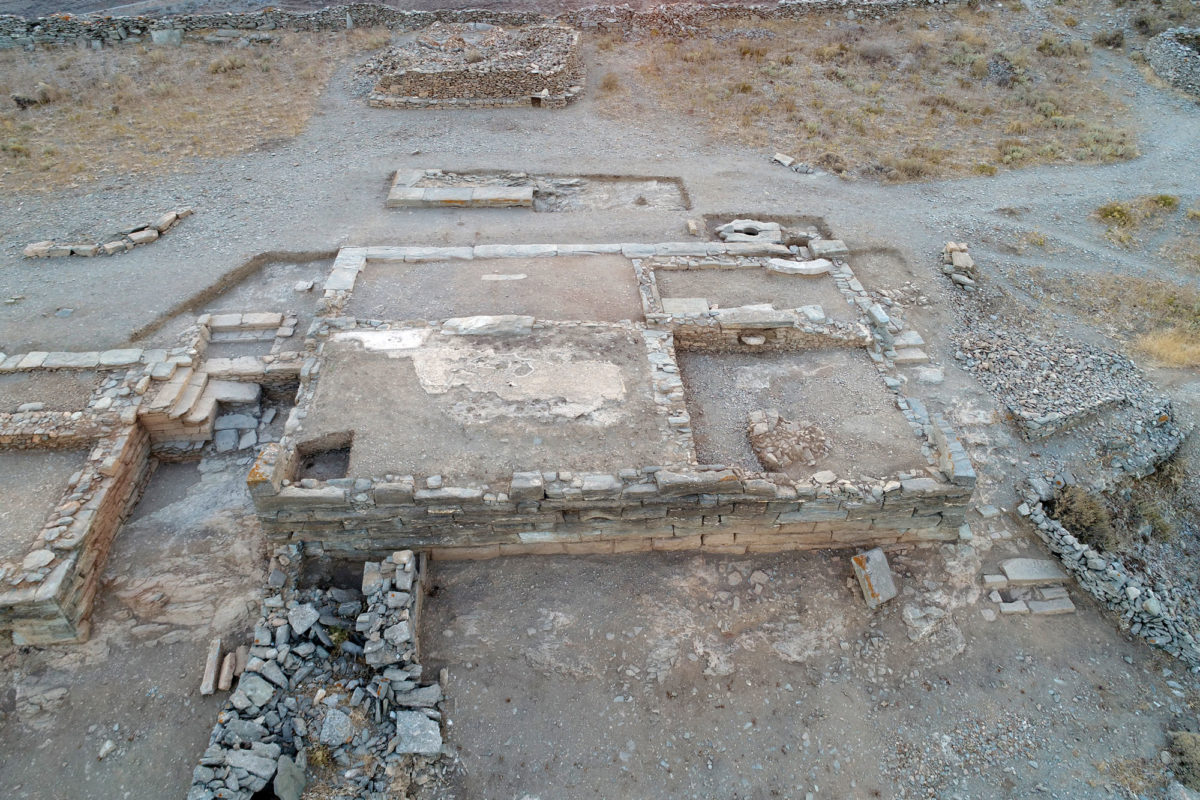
[[930, 94], [87, 114]]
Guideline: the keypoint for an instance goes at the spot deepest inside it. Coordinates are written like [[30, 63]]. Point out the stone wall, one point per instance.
[[52, 600], [652, 508], [1174, 55], [661, 20]]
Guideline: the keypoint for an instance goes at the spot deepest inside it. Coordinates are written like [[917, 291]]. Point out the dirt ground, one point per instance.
[[464, 409], [838, 390], [67, 390], [977, 709], [31, 484], [596, 288], [685, 676]]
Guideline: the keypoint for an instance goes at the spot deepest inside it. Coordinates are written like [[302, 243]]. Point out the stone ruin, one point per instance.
[[479, 65], [1174, 55]]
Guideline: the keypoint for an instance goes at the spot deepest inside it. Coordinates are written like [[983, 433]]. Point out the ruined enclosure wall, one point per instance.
[[53, 604], [652, 508], [709, 335], [483, 82], [661, 20], [1174, 55]]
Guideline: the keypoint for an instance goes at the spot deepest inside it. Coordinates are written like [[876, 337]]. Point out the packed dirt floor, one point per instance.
[[656, 675]]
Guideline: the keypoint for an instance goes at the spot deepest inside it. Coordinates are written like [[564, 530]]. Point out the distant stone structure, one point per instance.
[[479, 65], [1174, 55]]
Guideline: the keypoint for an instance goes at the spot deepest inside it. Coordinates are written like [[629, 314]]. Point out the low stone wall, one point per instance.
[[51, 600], [1142, 612], [1174, 55], [652, 508], [750, 329], [661, 20]]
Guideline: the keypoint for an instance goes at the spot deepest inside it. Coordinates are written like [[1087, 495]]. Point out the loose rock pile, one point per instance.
[[128, 239], [1175, 56], [780, 442], [1049, 383], [958, 264], [332, 681]]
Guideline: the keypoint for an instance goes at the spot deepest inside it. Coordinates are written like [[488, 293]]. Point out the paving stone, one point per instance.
[[120, 358], [818, 266], [483, 325], [1060, 605], [1032, 571], [71, 361], [910, 355], [1015, 607], [828, 248], [684, 305], [290, 780], [995, 582]]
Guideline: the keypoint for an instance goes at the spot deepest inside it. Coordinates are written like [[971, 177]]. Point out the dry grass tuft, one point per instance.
[[611, 82], [1177, 347], [1123, 218], [142, 109], [924, 95]]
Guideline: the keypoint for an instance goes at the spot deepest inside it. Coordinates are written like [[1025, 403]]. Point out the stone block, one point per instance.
[[1044, 608], [1032, 572], [762, 315], [874, 576], [818, 266], [502, 196], [828, 248], [680, 306], [451, 196], [485, 325], [527, 487]]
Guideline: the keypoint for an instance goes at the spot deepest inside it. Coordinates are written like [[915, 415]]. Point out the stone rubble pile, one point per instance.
[[958, 264], [780, 442], [1174, 55], [457, 62], [1050, 382], [1145, 610], [332, 681], [143, 233]]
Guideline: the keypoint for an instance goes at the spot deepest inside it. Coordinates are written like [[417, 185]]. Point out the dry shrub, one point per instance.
[[1113, 39], [611, 82], [1186, 748], [1085, 516]]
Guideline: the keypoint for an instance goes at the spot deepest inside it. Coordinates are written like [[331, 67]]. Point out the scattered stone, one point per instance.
[[337, 729], [1060, 605], [302, 617]]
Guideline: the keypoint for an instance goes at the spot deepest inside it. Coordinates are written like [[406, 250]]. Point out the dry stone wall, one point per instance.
[[99, 31]]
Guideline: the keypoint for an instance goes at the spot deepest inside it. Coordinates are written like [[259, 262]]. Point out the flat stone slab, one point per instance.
[[762, 315], [684, 305], [1032, 572], [818, 266], [911, 355], [828, 248], [501, 325], [874, 576], [1045, 608], [71, 361], [417, 733], [120, 358]]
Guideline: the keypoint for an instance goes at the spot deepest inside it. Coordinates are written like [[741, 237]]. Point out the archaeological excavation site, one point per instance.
[[551, 400]]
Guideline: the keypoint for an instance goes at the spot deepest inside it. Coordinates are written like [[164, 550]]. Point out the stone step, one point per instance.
[[204, 411], [234, 392], [1033, 572], [168, 393], [190, 396], [1044, 608]]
